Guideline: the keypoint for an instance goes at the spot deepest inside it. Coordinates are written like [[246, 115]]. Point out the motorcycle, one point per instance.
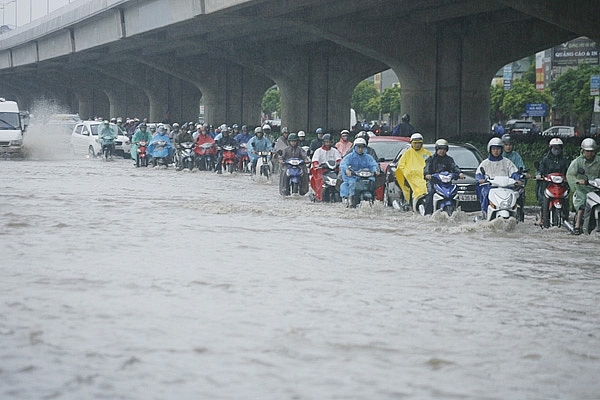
[[364, 188], [263, 164], [243, 159], [555, 207], [229, 158], [142, 159], [591, 214], [185, 156], [205, 160], [108, 147], [330, 192], [445, 196], [503, 198], [160, 152], [294, 173]]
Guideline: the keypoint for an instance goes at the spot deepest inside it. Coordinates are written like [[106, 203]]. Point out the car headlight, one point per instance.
[[18, 142]]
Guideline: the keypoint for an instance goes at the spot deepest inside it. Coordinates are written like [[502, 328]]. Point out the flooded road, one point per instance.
[[127, 283]]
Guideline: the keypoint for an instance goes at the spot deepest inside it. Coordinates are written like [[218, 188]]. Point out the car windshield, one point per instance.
[[387, 150], [463, 157], [9, 120]]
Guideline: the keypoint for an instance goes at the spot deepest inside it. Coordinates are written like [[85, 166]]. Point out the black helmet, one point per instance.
[[142, 125], [406, 118]]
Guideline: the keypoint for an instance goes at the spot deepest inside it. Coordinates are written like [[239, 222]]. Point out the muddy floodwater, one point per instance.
[[125, 283]]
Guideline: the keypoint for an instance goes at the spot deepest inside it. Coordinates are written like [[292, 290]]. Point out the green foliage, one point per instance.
[[529, 75], [391, 101], [365, 100], [571, 92], [496, 99], [522, 92], [271, 102]]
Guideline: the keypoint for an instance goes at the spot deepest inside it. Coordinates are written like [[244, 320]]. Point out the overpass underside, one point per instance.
[[147, 58]]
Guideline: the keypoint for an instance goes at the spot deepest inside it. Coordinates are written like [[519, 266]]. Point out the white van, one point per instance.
[[11, 129]]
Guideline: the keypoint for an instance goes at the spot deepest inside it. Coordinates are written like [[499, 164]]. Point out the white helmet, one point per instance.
[[495, 142], [416, 136], [258, 129], [360, 142], [441, 144], [301, 134], [555, 142], [266, 127], [588, 144]]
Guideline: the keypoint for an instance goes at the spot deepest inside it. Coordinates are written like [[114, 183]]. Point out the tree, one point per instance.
[[271, 102], [390, 102], [365, 100], [522, 92], [529, 75], [571, 92], [496, 99]]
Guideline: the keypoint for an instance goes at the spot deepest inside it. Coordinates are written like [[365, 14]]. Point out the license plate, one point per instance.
[[467, 197]]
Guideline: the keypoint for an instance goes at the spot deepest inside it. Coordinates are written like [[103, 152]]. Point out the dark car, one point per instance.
[[522, 130], [387, 148], [466, 156]]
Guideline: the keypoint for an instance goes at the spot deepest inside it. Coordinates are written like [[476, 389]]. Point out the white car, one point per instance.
[[560, 131], [84, 140]]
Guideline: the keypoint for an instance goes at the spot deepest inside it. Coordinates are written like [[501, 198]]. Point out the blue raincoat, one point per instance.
[[165, 151], [357, 162]]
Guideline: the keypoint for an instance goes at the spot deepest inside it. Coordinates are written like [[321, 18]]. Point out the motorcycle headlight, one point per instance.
[[505, 204]]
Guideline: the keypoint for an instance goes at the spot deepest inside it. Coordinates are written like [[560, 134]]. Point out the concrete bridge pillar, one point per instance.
[[231, 93]]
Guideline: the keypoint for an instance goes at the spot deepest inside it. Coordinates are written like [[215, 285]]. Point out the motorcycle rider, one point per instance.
[[107, 134], [162, 134], [409, 172], [589, 162], [316, 143], [553, 161], [203, 138], [321, 155], [404, 128], [302, 142], [226, 139], [494, 165], [175, 131], [258, 143], [184, 136], [440, 161], [355, 161], [281, 143], [140, 135], [292, 151], [344, 144], [242, 138]]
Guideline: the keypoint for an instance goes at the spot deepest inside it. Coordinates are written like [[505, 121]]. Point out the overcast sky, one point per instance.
[[20, 12]]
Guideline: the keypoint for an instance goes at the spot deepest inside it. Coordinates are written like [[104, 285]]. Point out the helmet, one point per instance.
[[142, 125], [360, 142], [223, 127], [506, 138], [258, 129], [244, 128], [235, 126], [555, 142], [105, 122], [113, 120], [319, 131], [364, 135], [494, 142], [266, 127], [301, 134], [327, 137], [198, 126], [441, 144], [292, 136], [345, 132], [285, 129], [162, 128], [416, 137], [588, 144], [406, 118], [175, 125], [119, 120]]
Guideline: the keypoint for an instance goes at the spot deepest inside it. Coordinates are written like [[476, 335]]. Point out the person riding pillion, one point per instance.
[[440, 161], [355, 161], [494, 165], [589, 163], [409, 172]]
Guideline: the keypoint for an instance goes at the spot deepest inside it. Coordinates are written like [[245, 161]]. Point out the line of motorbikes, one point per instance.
[[506, 199]]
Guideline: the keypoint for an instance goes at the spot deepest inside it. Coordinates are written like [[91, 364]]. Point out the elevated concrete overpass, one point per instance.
[[147, 57]]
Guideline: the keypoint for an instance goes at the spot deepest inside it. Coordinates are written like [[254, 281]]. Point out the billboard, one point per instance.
[[575, 52]]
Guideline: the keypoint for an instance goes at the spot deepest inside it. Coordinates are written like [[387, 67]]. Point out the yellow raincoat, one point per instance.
[[409, 173]]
